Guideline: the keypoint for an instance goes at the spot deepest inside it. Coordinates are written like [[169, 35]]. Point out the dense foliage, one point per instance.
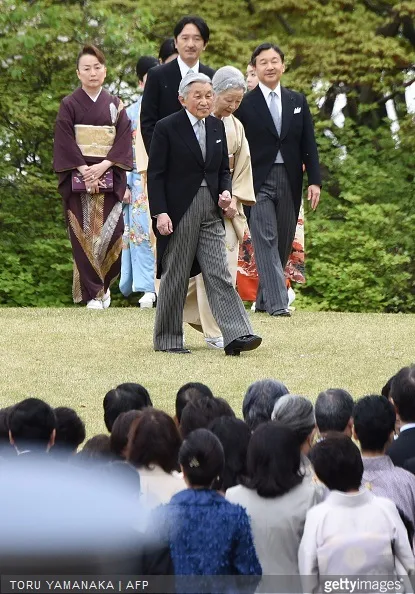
[[361, 241]]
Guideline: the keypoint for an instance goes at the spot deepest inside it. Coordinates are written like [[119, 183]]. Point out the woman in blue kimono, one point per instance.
[[208, 535], [137, 258]]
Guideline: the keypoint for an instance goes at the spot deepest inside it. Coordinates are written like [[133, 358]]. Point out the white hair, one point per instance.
[[227, 78], [189, 79]]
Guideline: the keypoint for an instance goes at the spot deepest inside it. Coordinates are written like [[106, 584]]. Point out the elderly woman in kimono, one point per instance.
[[229, 87], [92, 151]]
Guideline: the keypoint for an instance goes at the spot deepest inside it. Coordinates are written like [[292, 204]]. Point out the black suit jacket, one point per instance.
[[297, 142], [160, 98], [176, 169], [403, 448]]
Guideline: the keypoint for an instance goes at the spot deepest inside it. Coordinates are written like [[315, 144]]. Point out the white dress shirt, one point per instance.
[[266, 91], [193, 119], [184, 68], [407, 426]]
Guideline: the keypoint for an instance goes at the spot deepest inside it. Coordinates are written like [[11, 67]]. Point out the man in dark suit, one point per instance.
[[402, 394], [160, 99], [188, 184], [280, 133]]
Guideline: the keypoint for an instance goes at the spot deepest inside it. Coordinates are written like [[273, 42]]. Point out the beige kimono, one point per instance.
[[197, 312]]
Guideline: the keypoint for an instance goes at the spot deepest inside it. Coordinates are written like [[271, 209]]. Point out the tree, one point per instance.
[[360, 243], [39, 41]]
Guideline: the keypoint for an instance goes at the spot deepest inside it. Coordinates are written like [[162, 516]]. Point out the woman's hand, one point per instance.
[[232, 210], [93, 187], [94, 172], [127, 196]]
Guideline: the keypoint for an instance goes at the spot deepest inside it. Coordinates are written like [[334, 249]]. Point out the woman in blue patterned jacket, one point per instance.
[[207, 534]]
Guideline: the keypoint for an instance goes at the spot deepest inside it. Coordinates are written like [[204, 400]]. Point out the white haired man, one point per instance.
[[189, 183]]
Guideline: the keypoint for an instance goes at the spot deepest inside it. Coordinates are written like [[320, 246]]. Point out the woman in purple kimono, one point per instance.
[[92, 151]]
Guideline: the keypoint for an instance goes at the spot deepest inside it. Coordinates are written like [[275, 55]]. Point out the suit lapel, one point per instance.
[[258, 100], [211, 134], [287, 103], [174, 74], [187, 133]]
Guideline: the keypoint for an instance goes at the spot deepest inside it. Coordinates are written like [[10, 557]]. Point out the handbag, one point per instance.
[[106, 182]]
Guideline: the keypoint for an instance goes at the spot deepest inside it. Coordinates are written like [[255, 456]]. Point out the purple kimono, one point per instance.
[[94, 221]]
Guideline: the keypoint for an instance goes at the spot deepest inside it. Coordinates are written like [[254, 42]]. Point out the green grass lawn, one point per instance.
[[74, 356]]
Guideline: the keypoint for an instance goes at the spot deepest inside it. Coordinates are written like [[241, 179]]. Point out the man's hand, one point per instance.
[[225, 200], [232, 210], [313, 195], [164, 224]]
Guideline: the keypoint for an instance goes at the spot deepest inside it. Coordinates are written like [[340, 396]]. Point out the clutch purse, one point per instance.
[[106, 182]]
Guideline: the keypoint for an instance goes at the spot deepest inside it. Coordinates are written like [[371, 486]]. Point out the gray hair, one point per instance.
[[189, 79], [297, 413], [227, 78], [259, 401], [334, 407]]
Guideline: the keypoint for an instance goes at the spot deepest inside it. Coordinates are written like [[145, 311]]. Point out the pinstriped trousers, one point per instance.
[[272, 224], [200, 233]]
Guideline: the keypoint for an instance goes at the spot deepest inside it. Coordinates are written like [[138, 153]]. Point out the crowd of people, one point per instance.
[[212, 171], [293, 489]]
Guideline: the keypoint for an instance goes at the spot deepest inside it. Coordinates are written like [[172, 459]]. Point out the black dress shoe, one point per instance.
[[243, 343], [179, 351], [283, 313], [257, 310]]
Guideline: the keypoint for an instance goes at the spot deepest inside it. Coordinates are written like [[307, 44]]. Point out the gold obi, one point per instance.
[[231, 162], [94, 141]]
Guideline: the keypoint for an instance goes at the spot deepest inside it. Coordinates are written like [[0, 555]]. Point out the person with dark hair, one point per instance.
[[251, 77], [374, 423], [275, 497], [402, 394], [32, 426], [333, 410], [153, 448], [207, 534], [350, 520], [120, 431], [279, 130], [92, 151], [259, 401], [70, 432], [189, 393], [234, 436], [167, 51], [6, 448], [160, 98], [137, 258], [96, 450], [123, 398], [199, 413]]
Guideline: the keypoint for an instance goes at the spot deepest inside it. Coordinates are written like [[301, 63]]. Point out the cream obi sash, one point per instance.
[[94, 141]]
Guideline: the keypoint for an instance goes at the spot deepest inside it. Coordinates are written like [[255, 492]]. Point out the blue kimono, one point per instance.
[[137, 258], [209, 536]]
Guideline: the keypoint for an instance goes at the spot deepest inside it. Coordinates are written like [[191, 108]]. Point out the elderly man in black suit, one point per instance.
[[280, 133], [160, 99], [188, 184]]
